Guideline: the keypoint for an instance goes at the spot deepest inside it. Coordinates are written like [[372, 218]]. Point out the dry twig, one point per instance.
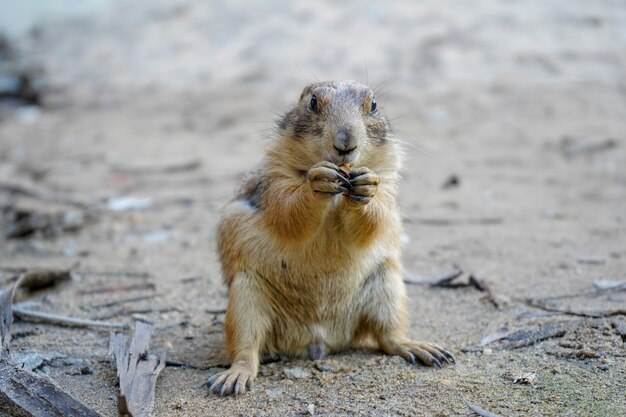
[[117, 288], [480, 411], [543, 305], [41, 317], [444, 280], [38, 193], [173, 167]]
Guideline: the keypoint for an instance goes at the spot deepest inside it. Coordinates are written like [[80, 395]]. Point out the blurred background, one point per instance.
[[125, 125]]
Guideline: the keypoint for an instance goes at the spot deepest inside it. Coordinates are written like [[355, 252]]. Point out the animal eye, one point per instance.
[[374, 106], [313, 103]]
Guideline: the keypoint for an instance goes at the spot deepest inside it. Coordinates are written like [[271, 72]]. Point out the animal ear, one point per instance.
[[306, 91]]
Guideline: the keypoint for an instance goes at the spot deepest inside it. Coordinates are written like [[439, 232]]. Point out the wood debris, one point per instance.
[[21, 222], [27, 189], [480, 411], [526, 337], [169, 168], [449, 280], [571, 148], [136, 371], [118, 288], [25, 393], [523, 378], [498, 300], [444, 280], [542, 304], [6, 320], [34, 279], [41, 317]]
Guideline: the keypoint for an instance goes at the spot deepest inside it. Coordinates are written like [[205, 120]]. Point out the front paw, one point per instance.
[[236, 380], [363, 186], [327, 179]]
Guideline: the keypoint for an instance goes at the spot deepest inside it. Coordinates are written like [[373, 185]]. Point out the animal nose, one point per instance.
[[344, 141]]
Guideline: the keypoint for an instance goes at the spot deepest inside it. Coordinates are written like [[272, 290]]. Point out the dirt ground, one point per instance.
[[522, 102]]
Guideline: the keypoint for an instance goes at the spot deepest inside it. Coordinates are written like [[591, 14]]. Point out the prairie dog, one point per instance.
[[310, 245]]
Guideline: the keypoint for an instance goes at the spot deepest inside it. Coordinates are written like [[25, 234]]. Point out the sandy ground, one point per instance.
[[511, 97]]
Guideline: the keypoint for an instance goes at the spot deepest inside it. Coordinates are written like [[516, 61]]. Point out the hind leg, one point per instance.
[[246, 325], [384, 317]]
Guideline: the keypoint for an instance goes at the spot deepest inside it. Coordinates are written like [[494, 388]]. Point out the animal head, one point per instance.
[[340, 122]]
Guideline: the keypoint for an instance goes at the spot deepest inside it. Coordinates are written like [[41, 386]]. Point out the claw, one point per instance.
[[238, 388], [447, 354], [450, 356], [218, 383], [436, 351], [436, 362], [345, 181], [231, 382]]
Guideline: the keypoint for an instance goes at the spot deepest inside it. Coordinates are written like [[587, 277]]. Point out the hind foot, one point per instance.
[[428, 354]]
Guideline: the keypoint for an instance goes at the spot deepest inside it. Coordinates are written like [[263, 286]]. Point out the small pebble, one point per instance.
[[86, 370], [297, 373], [487, 351], [310, 409], [274, 393]]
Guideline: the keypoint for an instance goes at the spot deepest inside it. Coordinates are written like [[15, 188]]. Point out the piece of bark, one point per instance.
[[6, 316], [137, 372], [24, 393], [28, 394], [523, 338], [6, 320], [38, 278]]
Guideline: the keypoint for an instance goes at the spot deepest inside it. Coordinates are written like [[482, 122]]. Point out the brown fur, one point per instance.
[[310, 267]]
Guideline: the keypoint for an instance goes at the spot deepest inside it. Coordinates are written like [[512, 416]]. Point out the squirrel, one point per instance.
[[310, 245]]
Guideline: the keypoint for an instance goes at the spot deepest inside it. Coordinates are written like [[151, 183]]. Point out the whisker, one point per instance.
[[379, 88], [298, 80], [366, 75], [314, 76], [413, 145], [402, 116]]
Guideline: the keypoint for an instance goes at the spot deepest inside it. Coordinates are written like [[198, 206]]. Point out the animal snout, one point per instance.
[[344, 141]]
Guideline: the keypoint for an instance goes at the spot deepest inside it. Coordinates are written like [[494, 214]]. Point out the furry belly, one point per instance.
[[293, 338]]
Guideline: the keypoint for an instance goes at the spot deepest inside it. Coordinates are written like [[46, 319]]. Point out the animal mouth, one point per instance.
[[343, 152]]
